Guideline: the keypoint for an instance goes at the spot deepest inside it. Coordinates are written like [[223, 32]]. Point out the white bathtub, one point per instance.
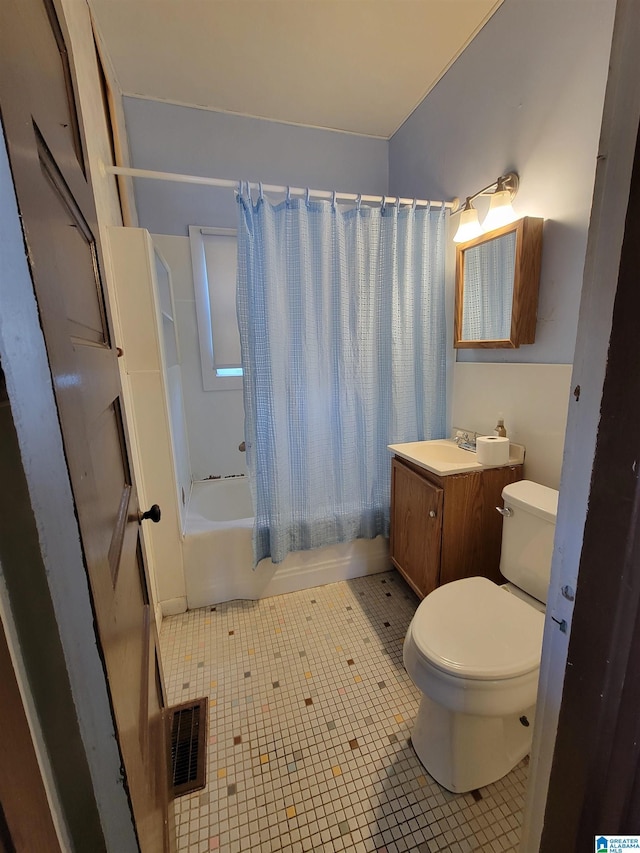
[[218, 552]]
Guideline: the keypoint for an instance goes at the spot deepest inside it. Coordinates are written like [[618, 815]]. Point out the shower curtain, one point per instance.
[[342, 327]]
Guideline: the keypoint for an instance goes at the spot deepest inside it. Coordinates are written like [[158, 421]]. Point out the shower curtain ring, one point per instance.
[[288, 196], [333, 200], [384, 201], [306, 197], [260, 191], [359, 201]]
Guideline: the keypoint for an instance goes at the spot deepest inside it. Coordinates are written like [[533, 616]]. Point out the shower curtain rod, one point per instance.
[[271, 188]]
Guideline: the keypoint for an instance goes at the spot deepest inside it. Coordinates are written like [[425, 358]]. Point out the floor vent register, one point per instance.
[[187, 730]]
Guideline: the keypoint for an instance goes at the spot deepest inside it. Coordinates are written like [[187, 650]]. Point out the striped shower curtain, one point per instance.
[[342, 325]]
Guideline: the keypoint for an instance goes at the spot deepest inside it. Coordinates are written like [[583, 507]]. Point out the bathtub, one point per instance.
[[218, 551]]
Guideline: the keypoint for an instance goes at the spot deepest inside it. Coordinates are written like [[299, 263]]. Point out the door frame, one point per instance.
[[594, 785]]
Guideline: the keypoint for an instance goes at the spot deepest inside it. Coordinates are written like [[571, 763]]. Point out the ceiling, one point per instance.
[[354, 65]]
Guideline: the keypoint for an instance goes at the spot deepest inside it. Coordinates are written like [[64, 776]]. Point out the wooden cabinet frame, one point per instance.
[[524, 309], [463, 537]]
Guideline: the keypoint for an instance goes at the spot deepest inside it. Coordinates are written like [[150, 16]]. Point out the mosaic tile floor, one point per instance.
[[309, 722]]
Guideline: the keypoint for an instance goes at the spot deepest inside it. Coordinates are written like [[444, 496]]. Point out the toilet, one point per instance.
[[473, 650]]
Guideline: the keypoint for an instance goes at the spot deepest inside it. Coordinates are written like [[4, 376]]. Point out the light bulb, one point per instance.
[[469, 224], [500, 211]]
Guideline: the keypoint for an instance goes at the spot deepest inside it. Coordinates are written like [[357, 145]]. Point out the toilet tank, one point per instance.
[[527, 536]]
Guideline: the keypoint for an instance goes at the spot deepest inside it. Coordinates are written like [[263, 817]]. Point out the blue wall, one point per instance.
[[172, 138], [187, 140], [526, 95]]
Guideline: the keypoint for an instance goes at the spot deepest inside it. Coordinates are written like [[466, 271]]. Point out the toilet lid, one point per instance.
[[473, 628]]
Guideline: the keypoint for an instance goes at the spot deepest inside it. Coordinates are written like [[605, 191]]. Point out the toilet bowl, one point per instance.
[[473, 649]]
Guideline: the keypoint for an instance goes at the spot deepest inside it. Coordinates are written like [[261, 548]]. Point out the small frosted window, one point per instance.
[[228, 371], [213, 254]]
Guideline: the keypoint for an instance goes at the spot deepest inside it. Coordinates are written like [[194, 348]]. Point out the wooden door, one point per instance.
[[416, 528], [46, 150]]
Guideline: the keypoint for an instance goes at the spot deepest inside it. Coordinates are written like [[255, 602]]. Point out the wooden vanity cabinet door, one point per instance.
[[416, 528]]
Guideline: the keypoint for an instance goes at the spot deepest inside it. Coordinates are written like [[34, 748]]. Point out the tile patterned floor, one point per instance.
[[309, 719]]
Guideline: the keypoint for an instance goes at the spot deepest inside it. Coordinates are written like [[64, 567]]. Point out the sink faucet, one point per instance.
[[466, 440]]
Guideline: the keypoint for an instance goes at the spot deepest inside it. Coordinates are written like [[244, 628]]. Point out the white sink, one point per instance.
[[443, 456]]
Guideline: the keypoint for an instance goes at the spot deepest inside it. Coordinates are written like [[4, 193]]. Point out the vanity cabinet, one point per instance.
[[446, 528]]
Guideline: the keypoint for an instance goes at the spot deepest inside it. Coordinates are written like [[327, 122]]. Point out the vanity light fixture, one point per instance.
[[469, 224], [502, 192]]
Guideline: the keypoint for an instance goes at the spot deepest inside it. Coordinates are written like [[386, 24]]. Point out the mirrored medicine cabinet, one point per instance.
[[497, 280]]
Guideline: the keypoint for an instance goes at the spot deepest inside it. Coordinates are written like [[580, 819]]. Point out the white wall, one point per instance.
[[481, 391]]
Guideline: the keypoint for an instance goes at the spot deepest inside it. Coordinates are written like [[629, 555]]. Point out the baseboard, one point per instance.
[[174, 606], [158, 616]]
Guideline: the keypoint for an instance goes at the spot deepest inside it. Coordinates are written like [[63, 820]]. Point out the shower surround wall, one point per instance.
[[156, 413], [215, 419]]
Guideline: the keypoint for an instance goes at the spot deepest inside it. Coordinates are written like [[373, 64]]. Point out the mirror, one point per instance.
[[497, 280]]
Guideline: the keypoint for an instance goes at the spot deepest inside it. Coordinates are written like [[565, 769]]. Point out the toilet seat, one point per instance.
[[474, 629]]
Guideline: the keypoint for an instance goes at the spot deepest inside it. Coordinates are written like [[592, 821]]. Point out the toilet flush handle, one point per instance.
[[505, 511]]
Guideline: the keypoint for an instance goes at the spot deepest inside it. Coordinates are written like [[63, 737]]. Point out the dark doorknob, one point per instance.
[[154, 514]]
